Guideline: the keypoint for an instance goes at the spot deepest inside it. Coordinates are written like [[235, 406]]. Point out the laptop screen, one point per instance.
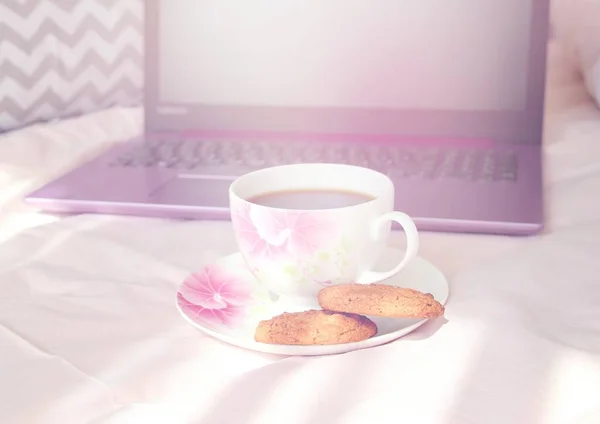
[[421, 58], [416, 54]]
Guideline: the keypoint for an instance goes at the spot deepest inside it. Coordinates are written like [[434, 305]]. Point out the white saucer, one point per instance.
[[233, 302]]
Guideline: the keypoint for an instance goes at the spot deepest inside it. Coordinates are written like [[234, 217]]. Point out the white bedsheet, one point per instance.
[[89, 332]]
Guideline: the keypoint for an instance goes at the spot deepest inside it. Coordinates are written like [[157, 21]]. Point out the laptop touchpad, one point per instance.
[[194, 191]]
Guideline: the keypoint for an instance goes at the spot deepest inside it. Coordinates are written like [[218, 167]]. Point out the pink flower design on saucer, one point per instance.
[[213, 296], [272, 233]]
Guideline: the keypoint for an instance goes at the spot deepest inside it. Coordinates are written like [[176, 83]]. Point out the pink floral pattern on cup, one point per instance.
[[265, 233], [213, 296]]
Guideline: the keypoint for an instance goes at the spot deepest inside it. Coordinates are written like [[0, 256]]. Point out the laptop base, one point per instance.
[[459, 204]]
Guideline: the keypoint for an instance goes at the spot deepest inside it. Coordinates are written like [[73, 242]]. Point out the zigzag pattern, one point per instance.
[[64, 57]]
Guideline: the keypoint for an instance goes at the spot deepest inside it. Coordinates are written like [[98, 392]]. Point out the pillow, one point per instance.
[[60, 58], [577, 25]]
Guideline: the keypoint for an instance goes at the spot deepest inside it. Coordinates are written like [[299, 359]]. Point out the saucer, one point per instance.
[[226, 301]]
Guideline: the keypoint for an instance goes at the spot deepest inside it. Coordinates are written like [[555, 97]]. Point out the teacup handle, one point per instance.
[[412, 245]]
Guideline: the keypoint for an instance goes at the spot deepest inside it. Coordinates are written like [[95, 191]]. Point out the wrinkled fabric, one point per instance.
[[89, 332], [577, 24]]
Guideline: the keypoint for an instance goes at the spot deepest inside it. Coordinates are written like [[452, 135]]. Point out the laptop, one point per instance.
[[447, 101]]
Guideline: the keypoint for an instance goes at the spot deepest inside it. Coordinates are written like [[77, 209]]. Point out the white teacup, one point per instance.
[[296, 252]]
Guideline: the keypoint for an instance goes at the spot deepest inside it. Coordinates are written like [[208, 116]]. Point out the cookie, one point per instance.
[[380, 300], [315, 327]]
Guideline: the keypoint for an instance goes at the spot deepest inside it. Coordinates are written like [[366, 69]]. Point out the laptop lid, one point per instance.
[[460, 69]]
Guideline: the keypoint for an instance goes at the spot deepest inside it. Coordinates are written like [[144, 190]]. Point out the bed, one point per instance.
[[89, 332]]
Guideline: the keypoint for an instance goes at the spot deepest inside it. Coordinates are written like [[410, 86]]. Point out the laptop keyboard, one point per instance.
[[426, 162]]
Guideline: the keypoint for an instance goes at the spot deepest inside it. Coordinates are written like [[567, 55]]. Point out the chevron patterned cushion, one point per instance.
[[60, 58]]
